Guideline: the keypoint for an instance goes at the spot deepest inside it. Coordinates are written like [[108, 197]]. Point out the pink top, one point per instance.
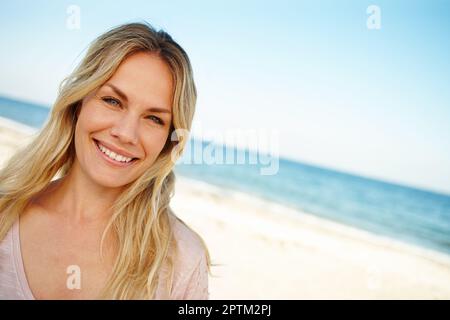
[[190, 278]]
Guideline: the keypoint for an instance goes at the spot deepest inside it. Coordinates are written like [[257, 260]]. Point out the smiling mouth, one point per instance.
[[111, 156]]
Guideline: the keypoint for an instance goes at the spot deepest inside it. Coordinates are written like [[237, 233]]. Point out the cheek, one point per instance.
[[153, 144], [92, 119]]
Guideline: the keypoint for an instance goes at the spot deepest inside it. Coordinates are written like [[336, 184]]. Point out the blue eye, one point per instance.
[[111, 101], [156, 119], [116, 103]]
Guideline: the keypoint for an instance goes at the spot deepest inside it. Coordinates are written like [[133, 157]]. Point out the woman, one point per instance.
[[84, 208]]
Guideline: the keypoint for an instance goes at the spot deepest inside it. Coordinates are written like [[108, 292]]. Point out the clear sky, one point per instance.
[[371, 102]]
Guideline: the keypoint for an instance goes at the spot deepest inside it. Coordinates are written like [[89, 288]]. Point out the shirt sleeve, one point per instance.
[[197, 286]]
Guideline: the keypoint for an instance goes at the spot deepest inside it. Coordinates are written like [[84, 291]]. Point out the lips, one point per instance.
[[110, 160], [114, 149]]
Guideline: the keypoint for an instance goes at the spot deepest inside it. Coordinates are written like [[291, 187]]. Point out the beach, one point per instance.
[[264, 250]]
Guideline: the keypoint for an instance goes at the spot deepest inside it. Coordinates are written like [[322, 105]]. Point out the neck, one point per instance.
[[80, 200]]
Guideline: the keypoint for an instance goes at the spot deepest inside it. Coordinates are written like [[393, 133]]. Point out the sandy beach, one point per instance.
[[266, 251]]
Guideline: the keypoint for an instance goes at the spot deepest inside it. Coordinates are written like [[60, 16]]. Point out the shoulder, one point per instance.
[[191, 263], [189, 245]]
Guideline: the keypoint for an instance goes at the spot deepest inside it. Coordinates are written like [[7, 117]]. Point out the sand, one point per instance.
[[264, 250]]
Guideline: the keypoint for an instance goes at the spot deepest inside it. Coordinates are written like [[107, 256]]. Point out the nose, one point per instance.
[[126, 129]]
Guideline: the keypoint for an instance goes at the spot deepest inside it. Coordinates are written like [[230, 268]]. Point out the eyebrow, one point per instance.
[[122, 95]]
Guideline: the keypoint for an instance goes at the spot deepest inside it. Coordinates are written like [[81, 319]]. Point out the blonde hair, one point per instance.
[[140, 221]]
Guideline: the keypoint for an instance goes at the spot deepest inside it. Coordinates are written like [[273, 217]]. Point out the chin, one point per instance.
[[109, 181]]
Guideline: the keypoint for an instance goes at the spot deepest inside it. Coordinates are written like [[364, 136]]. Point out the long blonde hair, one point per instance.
[[140, 220]]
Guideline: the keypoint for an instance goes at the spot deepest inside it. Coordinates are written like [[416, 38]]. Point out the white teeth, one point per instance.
[[113, 155]]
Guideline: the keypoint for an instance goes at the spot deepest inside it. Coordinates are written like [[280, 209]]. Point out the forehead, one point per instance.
[[145, 79]]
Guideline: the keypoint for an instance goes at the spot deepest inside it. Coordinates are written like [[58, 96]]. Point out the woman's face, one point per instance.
[[124, 125]]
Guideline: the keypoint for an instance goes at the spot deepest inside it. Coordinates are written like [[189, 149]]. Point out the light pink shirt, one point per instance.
[[190, 278]]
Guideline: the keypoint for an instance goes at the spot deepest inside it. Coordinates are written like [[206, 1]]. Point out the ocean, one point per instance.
[[403, 213]]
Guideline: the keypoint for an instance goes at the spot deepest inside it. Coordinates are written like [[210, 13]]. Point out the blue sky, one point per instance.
[[371, 102]]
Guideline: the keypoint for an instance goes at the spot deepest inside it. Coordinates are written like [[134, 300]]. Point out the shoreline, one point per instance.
[[17, 126], [324, 259], [273, 211]]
